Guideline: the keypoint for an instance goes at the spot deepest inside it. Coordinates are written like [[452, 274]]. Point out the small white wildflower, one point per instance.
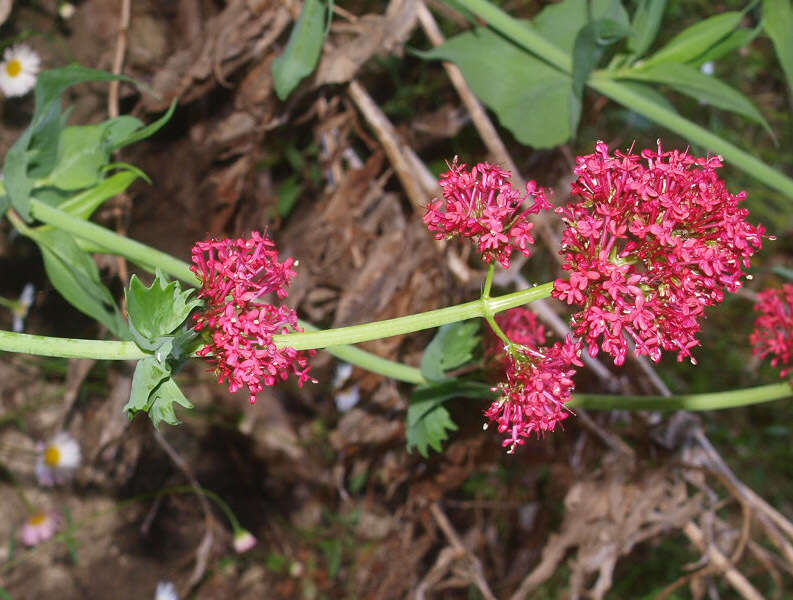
[[22, 307], [66, 10], [58, 460], [18, 70], [342, 374], [243, 541], [347, 399], [166, 591], [708, 68], [39, 527]]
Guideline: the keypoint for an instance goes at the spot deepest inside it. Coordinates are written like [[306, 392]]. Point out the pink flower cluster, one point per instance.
[[538, 380], [521, 326], [773, 333], [482, 205], [654, 239], [234, 274]]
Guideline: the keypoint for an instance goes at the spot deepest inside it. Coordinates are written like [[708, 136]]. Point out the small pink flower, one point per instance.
[[234, 275], [654, 239], [243, 541], [39, 527], [538, 378], [482, 205], [773, 333], [520, 325]]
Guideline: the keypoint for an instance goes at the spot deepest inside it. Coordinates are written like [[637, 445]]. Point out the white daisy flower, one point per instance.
[[243, 541], [166, 591], [58, 460], [18, 70], [39, 527]]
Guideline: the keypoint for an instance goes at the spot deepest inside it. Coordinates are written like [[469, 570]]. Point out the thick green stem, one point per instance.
[[401, 325], [24, 343], [710, 401], [532, 41], [141, 254]]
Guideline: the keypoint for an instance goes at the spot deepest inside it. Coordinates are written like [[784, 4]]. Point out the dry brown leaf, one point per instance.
[[351, 45]]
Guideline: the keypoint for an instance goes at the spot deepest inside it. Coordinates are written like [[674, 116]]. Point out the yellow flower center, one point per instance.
[[13, 67], [37, 519], [52, 456]]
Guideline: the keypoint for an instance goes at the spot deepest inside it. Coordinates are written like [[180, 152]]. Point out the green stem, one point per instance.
[[709, 401], [41, 345], [532, 41], [146, 256], [141, 254], [434, 318]]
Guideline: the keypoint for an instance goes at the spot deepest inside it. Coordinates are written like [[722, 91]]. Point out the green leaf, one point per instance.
[[162, 400], [287, 195], [451, 347], [4, 595], [82, 152], [696, 40], [530, 98], [158, 310], [149, 373], [44, 130], [778, 23], [68, 536], [590, 45], [303, 49], [650, 94], [141, 134], [737, 39], [561, 22], [692, 82], [645, 25], [76, 277], [85, 203], [428, 421]]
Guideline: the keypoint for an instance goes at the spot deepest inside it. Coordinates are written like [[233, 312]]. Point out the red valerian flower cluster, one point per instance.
[[538, 379], [234, 274], [773, 333], [482, 205], [653, 240]]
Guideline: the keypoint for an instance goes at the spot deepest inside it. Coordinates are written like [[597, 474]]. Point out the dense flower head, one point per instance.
[[654, 239], [539, 381], [482, 205], [521, 326], [234, 275], [773, 332]]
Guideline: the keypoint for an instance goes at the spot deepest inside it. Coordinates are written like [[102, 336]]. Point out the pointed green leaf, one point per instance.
[[149, 373], [145, 132], [737, 39], [692, 82], [85, 203], [560, 23], [590, 45], [82, 152], [428, 422], [696, 40], [303, 49], [645, 25], [162, 402], [530, 98], [451, 347], [159, 309], [778, 23], [75, 275]]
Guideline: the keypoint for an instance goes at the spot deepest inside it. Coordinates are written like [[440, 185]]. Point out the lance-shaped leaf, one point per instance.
[[696, 40], [303, 49], [778, 23], [694, 83]]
